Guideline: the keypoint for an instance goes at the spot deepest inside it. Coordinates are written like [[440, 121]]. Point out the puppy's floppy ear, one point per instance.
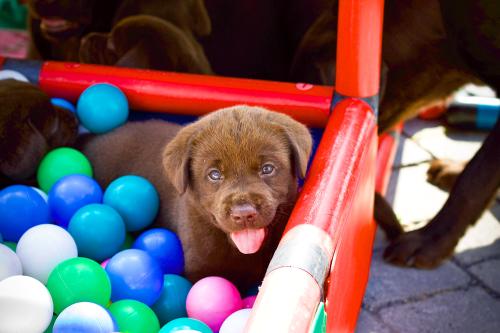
[[200, 24], [300, 141], [177, 157]]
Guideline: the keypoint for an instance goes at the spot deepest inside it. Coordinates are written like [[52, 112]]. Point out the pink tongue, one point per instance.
[[249, 240]]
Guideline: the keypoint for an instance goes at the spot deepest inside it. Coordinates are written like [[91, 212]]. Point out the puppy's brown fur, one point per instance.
[[236, 141], [29, 127]]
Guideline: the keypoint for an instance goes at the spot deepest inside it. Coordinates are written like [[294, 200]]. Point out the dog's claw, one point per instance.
[[419, 249]]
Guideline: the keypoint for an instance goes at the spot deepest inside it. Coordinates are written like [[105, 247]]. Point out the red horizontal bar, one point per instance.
[[156, 91]]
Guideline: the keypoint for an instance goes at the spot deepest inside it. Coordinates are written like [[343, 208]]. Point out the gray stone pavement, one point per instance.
[[463, 294]]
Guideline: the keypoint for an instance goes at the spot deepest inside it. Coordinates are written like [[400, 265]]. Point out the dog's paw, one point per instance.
[[443, 173], [420, 248]]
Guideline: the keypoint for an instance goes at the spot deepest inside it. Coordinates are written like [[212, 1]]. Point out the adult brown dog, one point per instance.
[[30, 126], [227, 183], [430, 49]]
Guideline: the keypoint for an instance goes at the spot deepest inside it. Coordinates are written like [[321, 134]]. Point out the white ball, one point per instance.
[[10, 74], [42, 193], [9, 263], [25, 305], [236, 322], [42, 248]]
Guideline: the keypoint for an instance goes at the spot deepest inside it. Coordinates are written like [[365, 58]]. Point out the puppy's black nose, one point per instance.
[[244, 213]]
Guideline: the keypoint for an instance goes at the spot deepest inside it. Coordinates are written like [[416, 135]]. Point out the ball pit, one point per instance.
[[249, 301], [134, 317], [135, 198], [134, 274], [98, 230], [78, 280], [212, 300], [21, 208], [185, 325], [69, 194], [42, 248], [236, 322], [25, 305], [165, 247], [172, 301], [102, 107], [85, 317], [10, 264], [61, 162]]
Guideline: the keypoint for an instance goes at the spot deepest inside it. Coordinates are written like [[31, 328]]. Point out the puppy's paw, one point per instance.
[[443, 173], [420, 248]]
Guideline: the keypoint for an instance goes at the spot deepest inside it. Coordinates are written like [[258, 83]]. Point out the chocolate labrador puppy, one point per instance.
[[227, 183], [430, 49], [30, 126]]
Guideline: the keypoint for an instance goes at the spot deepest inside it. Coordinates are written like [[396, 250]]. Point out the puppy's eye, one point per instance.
[[267, 169], [214, 175]]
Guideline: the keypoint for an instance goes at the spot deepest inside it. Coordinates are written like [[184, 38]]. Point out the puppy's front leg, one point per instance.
[[469, 197]]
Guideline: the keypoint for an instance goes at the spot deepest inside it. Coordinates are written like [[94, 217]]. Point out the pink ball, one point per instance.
[[249, 301], [212, 300], [104, 263]]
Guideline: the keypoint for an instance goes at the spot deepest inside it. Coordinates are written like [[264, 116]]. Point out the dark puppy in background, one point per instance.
[[227, 183], [30, 126], [430, 49]]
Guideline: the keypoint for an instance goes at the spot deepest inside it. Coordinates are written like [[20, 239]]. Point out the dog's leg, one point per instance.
[[385, 217], [444, 173], [470, 195]]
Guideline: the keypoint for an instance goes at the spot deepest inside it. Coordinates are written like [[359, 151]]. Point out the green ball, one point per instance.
[[78, 280], [11, 245], [129, 241], [51, 326], [134, 317], [185, 324], [61, 162]]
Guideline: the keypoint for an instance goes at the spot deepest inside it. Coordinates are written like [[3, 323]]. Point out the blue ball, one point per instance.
[[182, 325], [21, 207], [165, 247], [102, 107], [134, 274], [85, 317], [172, 301], [98, 231], [62, 103], [71, 193], [135, 198]]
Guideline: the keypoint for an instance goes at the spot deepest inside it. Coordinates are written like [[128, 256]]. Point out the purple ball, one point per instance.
[[69, 194]]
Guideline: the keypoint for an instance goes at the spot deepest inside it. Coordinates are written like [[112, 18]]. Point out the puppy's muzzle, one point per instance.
[[243, 214]]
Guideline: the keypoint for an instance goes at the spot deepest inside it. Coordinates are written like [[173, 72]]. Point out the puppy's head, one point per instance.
[[240, 165], [60, 19], [29, 127]]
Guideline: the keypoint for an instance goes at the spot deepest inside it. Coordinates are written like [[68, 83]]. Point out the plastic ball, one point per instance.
[[51, 326], [9, 263], [61, 162], [134, 274], [85, 317], [236, 322], [212, 300], [135, 198], [25, 305], [78, 280], [165, 247], [42, 193], [10, 74], [102, 107], [249, 301], [172, 301], [185, 325], [21, 208], [134, 317], [62, 103], [98, 230], [129, 241], [69, 194], [11, 245], [42, 248]]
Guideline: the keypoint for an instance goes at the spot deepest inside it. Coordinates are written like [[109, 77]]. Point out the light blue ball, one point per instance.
[[172, 301], [102, 107], [84, 317], [135, 198], [98, 231], [62, 103], [185, 324]]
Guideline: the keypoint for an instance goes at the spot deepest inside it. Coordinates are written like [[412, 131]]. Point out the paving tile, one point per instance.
[[409, 152], [481, 241], [368, 323], [471, 310], [489, 273], [389, 283]]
